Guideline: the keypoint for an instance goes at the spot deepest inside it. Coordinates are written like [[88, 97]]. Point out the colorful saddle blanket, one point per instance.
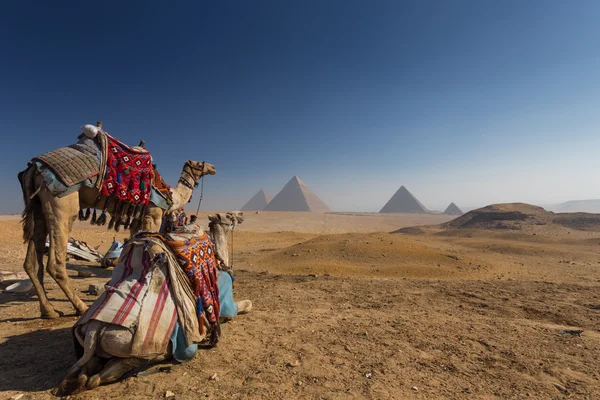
[[129, 173], [163, 189], [196, 257]]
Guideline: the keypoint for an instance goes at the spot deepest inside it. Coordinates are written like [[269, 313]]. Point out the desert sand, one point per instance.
[[345, 309]]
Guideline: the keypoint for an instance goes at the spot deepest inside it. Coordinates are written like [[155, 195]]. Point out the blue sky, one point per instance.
[[474, 102]]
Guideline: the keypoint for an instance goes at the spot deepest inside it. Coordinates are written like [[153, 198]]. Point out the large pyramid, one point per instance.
[[258, 202], [404, 202], [296, 196], [453, 210]]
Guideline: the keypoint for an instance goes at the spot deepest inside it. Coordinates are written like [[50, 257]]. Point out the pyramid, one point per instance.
[[404, 202], [258, 202], [453, 210], [296, 196]]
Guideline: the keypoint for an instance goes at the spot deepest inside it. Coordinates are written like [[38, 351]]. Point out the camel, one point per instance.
[[102, 341], [47, 215]]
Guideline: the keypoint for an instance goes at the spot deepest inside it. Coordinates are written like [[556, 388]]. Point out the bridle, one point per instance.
[[185, 175]]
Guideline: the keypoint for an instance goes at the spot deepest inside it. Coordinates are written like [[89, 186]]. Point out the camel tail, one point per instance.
[[31, 201]]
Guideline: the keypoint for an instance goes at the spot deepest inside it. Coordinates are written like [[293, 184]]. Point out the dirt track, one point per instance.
[[471, 315]]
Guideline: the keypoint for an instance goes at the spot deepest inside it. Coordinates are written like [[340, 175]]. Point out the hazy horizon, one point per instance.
[[460, 101]]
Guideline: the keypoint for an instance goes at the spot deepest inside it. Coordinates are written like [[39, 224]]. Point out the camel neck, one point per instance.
[[219, 235], [181, 196]]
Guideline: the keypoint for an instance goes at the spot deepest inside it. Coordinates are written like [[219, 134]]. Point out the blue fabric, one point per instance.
[[228, 306], [158, 200], [55, 185], [114, 251], [181, 352]]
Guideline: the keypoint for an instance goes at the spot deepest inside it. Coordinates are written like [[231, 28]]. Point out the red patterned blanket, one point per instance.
[[129, 173]]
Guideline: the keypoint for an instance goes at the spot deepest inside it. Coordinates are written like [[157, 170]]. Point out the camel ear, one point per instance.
[[216, 218]]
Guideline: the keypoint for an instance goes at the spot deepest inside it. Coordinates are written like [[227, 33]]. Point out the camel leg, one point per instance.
[[36, 274], [113, 371], [60, 215], [93, 367], [34, 266]]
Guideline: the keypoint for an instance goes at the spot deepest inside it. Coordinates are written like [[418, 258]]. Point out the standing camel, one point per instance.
[[48, 215]]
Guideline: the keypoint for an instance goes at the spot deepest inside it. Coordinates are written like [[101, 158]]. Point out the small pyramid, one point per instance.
[[296, 196], [258, 202], [453, 209], [404, 202]]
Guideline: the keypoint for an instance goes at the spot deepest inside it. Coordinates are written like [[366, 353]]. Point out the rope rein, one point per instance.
[[231, 251], [201, 189]]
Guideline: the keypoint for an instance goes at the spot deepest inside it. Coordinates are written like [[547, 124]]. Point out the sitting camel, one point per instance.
[[108, 348], [48, 215]]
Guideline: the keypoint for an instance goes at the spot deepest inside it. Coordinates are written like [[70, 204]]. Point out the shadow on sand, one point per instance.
[[37, 360]]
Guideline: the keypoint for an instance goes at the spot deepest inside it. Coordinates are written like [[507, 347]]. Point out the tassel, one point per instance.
[[138, 214], [134, 225], [88, 212], [116, 216], [102, 219], [111, 224], [93, 221], [81, 216], [126, 207], [130, 212]]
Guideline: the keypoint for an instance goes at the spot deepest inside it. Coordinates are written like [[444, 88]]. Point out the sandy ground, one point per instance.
[[462, 315]]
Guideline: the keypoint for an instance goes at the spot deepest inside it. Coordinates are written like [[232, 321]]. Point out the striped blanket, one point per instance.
[[148, 294]]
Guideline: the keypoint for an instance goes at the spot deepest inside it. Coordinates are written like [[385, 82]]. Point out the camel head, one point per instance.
[[227, 221], [236, 216], [198, 169]]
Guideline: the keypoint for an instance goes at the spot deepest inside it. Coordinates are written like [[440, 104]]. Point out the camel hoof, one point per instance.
[[79, 312], [50, 314], [67, 387], [93, 382], [82, 381]]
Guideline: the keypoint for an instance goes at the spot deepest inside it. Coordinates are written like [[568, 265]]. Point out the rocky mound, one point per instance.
[[521, 216], [512, 216], [578, 221]]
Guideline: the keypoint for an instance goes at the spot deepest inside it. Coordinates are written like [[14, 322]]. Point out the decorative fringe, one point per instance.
[[130, 210], [116, 216], [124, 216], [101, 219], [138, 214], [134, 225], [111, 224], [93, 221]]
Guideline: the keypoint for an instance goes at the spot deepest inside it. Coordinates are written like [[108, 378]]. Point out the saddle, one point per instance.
[[124, 174], [73, 164]]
